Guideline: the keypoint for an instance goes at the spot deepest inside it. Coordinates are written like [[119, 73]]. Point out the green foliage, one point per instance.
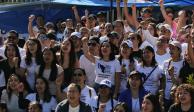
[[190, 79]]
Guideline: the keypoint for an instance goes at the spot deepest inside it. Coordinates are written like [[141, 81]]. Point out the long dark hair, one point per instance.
[[153, 63], [155, 102], [16, 51], [112, 55], [54, 70], [131, 60], [72, 54], [47, 95], [38, 57]]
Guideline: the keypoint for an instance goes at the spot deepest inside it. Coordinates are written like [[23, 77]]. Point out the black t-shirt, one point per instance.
[[185, 71], [177, 108]]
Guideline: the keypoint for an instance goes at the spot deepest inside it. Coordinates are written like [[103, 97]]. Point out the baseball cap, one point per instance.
[[91, 16], [128, 42], [94, 39], [146, 10], [106, 82], [101, 13], [176, 44], [113, 34], [77, 34], [167, 26], [49, 24], [137, 75]]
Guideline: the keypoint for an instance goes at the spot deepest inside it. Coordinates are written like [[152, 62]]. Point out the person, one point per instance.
[[3, 107], [104, 102], [12, 37], [150, 104], [93, 45], [68, 60], [49, 69], [121, 107], [34, 107], [73, 103], [184, 99], [133, 95], [12, 61], [127, 62], [10, 95], [79, 77], [31, 60], [42, 95], [154, 79]]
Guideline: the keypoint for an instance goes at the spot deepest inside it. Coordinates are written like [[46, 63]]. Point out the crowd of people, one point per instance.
[[135, 64]]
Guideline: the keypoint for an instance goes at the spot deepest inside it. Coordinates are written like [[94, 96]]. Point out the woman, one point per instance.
[[127, 62], [31, 60], [41, 95], [11, 64], [73, 103], [49, 69], [121, 107], [104, 102], [68, 60], [152, 29], [79, 77], [34, 107], [184, 99], [154, 80], [150, 104], [133, 95], [10, 96]]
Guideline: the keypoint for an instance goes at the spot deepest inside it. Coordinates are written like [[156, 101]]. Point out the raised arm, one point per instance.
[[134, 15], [118, 10], [181, 20], [77, 17], [190, 49], [30, 28], [127, 16], [165, 16]]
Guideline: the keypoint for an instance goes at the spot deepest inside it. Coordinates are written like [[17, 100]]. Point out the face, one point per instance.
[[33, 108], [79, 77], [133, 39], [184, 96], [69, 23], [73, 94], [40, 85], [101, 18], [125, 50], [93, 47], [104, 91], [84, 32], [48, 56], [12, 38], [12, 82], [162, 43], [108, 28], [76, 41], [105, 49], [174, 52], [118, 28], [170, 15], [147, 105], [164, 31], [119, 109], [32, 46], [66, 46], [134, 82], [187, 58], [39, 21], [147, 55], [151, 29], [102, 29], [11, 52]]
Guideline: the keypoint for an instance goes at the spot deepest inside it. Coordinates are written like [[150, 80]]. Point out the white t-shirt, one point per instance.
[[124, 77], [86, 94], [108, 104], [74, 109], [46, 106], [177, 66], [106, 70], [46, 75], [162, 58], [2, 79], [30, 71], [153, 82], [135, 105], [21, 50], [89, 68]]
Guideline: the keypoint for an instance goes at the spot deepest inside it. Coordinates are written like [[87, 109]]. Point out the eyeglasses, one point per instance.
[[92, 44], [77, 74]]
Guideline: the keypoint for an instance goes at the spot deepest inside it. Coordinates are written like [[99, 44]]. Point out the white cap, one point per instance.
[[106, 82], [77, 34], [167, 26], [128, 42], [176, 44]]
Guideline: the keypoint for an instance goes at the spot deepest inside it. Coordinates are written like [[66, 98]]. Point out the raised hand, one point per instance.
[[86, 12], [74, 7], [161, 2], [31, 18]]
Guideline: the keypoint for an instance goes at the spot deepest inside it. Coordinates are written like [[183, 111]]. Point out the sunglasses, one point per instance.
[[103, 86], [92, 44], [77, 74]]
